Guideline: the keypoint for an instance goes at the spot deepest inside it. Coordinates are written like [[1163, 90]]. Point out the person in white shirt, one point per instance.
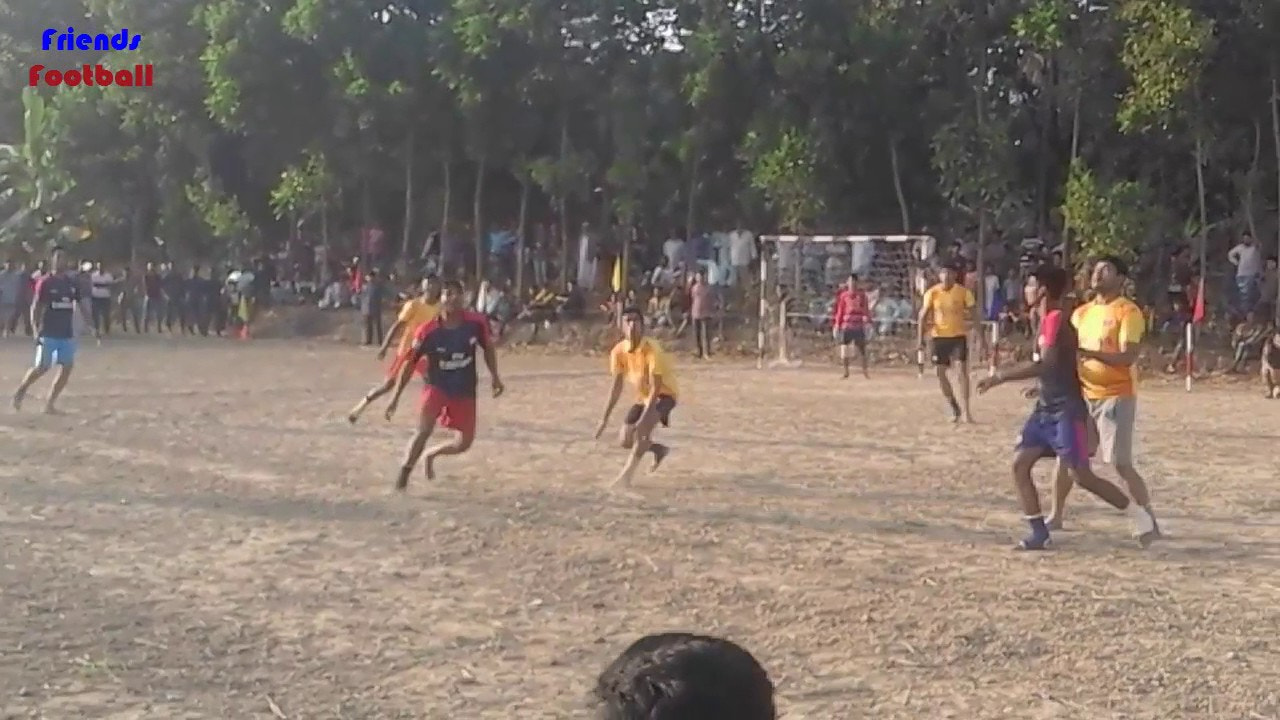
[[1247, 258], [102, 287], [742, 252], [663, 277]]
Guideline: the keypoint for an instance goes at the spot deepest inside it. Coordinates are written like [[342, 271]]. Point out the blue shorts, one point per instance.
[[55, 351], [1064, 435]]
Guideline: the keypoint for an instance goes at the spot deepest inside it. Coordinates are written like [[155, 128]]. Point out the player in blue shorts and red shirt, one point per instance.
[[53, 306], [1058, 422], [448, 345]]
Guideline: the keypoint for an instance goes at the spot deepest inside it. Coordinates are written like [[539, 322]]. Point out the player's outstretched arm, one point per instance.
[[491, 362], [614, 393], [406, 372], [392, 333], [922, 324]]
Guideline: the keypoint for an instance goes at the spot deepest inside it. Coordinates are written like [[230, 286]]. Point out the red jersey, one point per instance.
[[853, 310]]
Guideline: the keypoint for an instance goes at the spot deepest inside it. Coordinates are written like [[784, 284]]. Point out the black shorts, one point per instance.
[[666, 404], [854, 336], [948, 349]]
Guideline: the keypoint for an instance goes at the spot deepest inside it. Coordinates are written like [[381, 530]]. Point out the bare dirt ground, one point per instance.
[[203, 536]]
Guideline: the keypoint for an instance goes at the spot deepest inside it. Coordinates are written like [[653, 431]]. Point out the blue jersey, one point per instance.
[[57, 295], [450, 352]]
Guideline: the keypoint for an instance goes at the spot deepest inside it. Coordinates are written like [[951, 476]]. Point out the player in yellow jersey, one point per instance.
[[415, 313], [945, 312], [642, 362], [1111, 328]]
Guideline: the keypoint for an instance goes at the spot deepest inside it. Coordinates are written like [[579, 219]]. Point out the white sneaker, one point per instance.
[[1144, 525]]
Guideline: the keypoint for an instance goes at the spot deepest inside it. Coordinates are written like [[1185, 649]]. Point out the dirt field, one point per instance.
[[203, 536]]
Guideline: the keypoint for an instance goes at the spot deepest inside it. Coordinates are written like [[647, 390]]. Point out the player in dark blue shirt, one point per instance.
[[448, 345], [53, 306], [1057, 424]]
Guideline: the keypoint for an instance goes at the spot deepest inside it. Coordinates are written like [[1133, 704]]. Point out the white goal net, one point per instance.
[[799, 277]]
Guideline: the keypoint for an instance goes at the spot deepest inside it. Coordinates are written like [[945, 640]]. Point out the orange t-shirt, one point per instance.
[[1108, 327]]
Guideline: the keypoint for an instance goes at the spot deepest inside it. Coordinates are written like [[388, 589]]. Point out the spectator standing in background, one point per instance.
[[1247, 259], [703, 304], [742, 253], [175, 296], [129, 301], [372, 297], [11, 282], [102, 287], [1270, 289], [153, 301]]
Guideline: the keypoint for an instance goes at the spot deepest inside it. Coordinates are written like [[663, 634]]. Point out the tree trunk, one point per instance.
[[445, 212], [691, 208], [477, 217], [897, 185], [1075, 152], [1204, 209], [1249, 190], [521, 231], [1275, 136], [562, 204], [408, 198]]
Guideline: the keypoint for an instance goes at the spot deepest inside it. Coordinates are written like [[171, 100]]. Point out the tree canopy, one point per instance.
[[1133, 123]]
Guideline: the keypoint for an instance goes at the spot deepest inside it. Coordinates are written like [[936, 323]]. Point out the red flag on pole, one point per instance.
[[1197, 312]]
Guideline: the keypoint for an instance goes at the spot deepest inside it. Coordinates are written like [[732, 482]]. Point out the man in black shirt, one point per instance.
[[1057, 425]]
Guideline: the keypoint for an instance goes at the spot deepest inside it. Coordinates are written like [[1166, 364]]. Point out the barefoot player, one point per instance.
[[414, 314], [53, 306], [642, 362], [448, 345], [944, 314], [1057, 423], [849, 323]]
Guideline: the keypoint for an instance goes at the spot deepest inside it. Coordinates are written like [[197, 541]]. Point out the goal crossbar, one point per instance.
[[922, 249]]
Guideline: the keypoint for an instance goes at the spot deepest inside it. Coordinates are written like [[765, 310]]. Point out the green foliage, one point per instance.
[[1106, 218], [784, 168], [1163, 50], [1042, 24], [303, 188], [221, 214]]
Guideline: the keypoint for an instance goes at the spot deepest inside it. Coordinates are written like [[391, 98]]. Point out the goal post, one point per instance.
[[799, 275]]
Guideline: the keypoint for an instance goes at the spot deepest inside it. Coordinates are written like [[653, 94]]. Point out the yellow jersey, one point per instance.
[[640, 365], [1108, 327], [949, 309], [413, 315]]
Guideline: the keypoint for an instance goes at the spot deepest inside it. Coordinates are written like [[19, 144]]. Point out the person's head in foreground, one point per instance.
[[852, 283], [451, 296], [633, 326], [948, 276], [679, 676], [1047, 286], [1109, 274]]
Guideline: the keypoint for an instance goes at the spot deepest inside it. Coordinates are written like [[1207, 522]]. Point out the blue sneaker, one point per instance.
[[1034, 542]]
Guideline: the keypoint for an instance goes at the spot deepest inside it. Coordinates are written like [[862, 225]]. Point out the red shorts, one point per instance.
[[397, 364], [454, 413]]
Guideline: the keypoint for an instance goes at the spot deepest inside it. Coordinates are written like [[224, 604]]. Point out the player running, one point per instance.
[[448, 345], [1110, 329], [642, 362], [849, 324], [1057, 423], [945, 312], [414, 314], [54, 302]]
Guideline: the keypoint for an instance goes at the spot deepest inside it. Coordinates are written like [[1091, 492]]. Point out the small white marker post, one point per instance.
[[1191, 351]]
